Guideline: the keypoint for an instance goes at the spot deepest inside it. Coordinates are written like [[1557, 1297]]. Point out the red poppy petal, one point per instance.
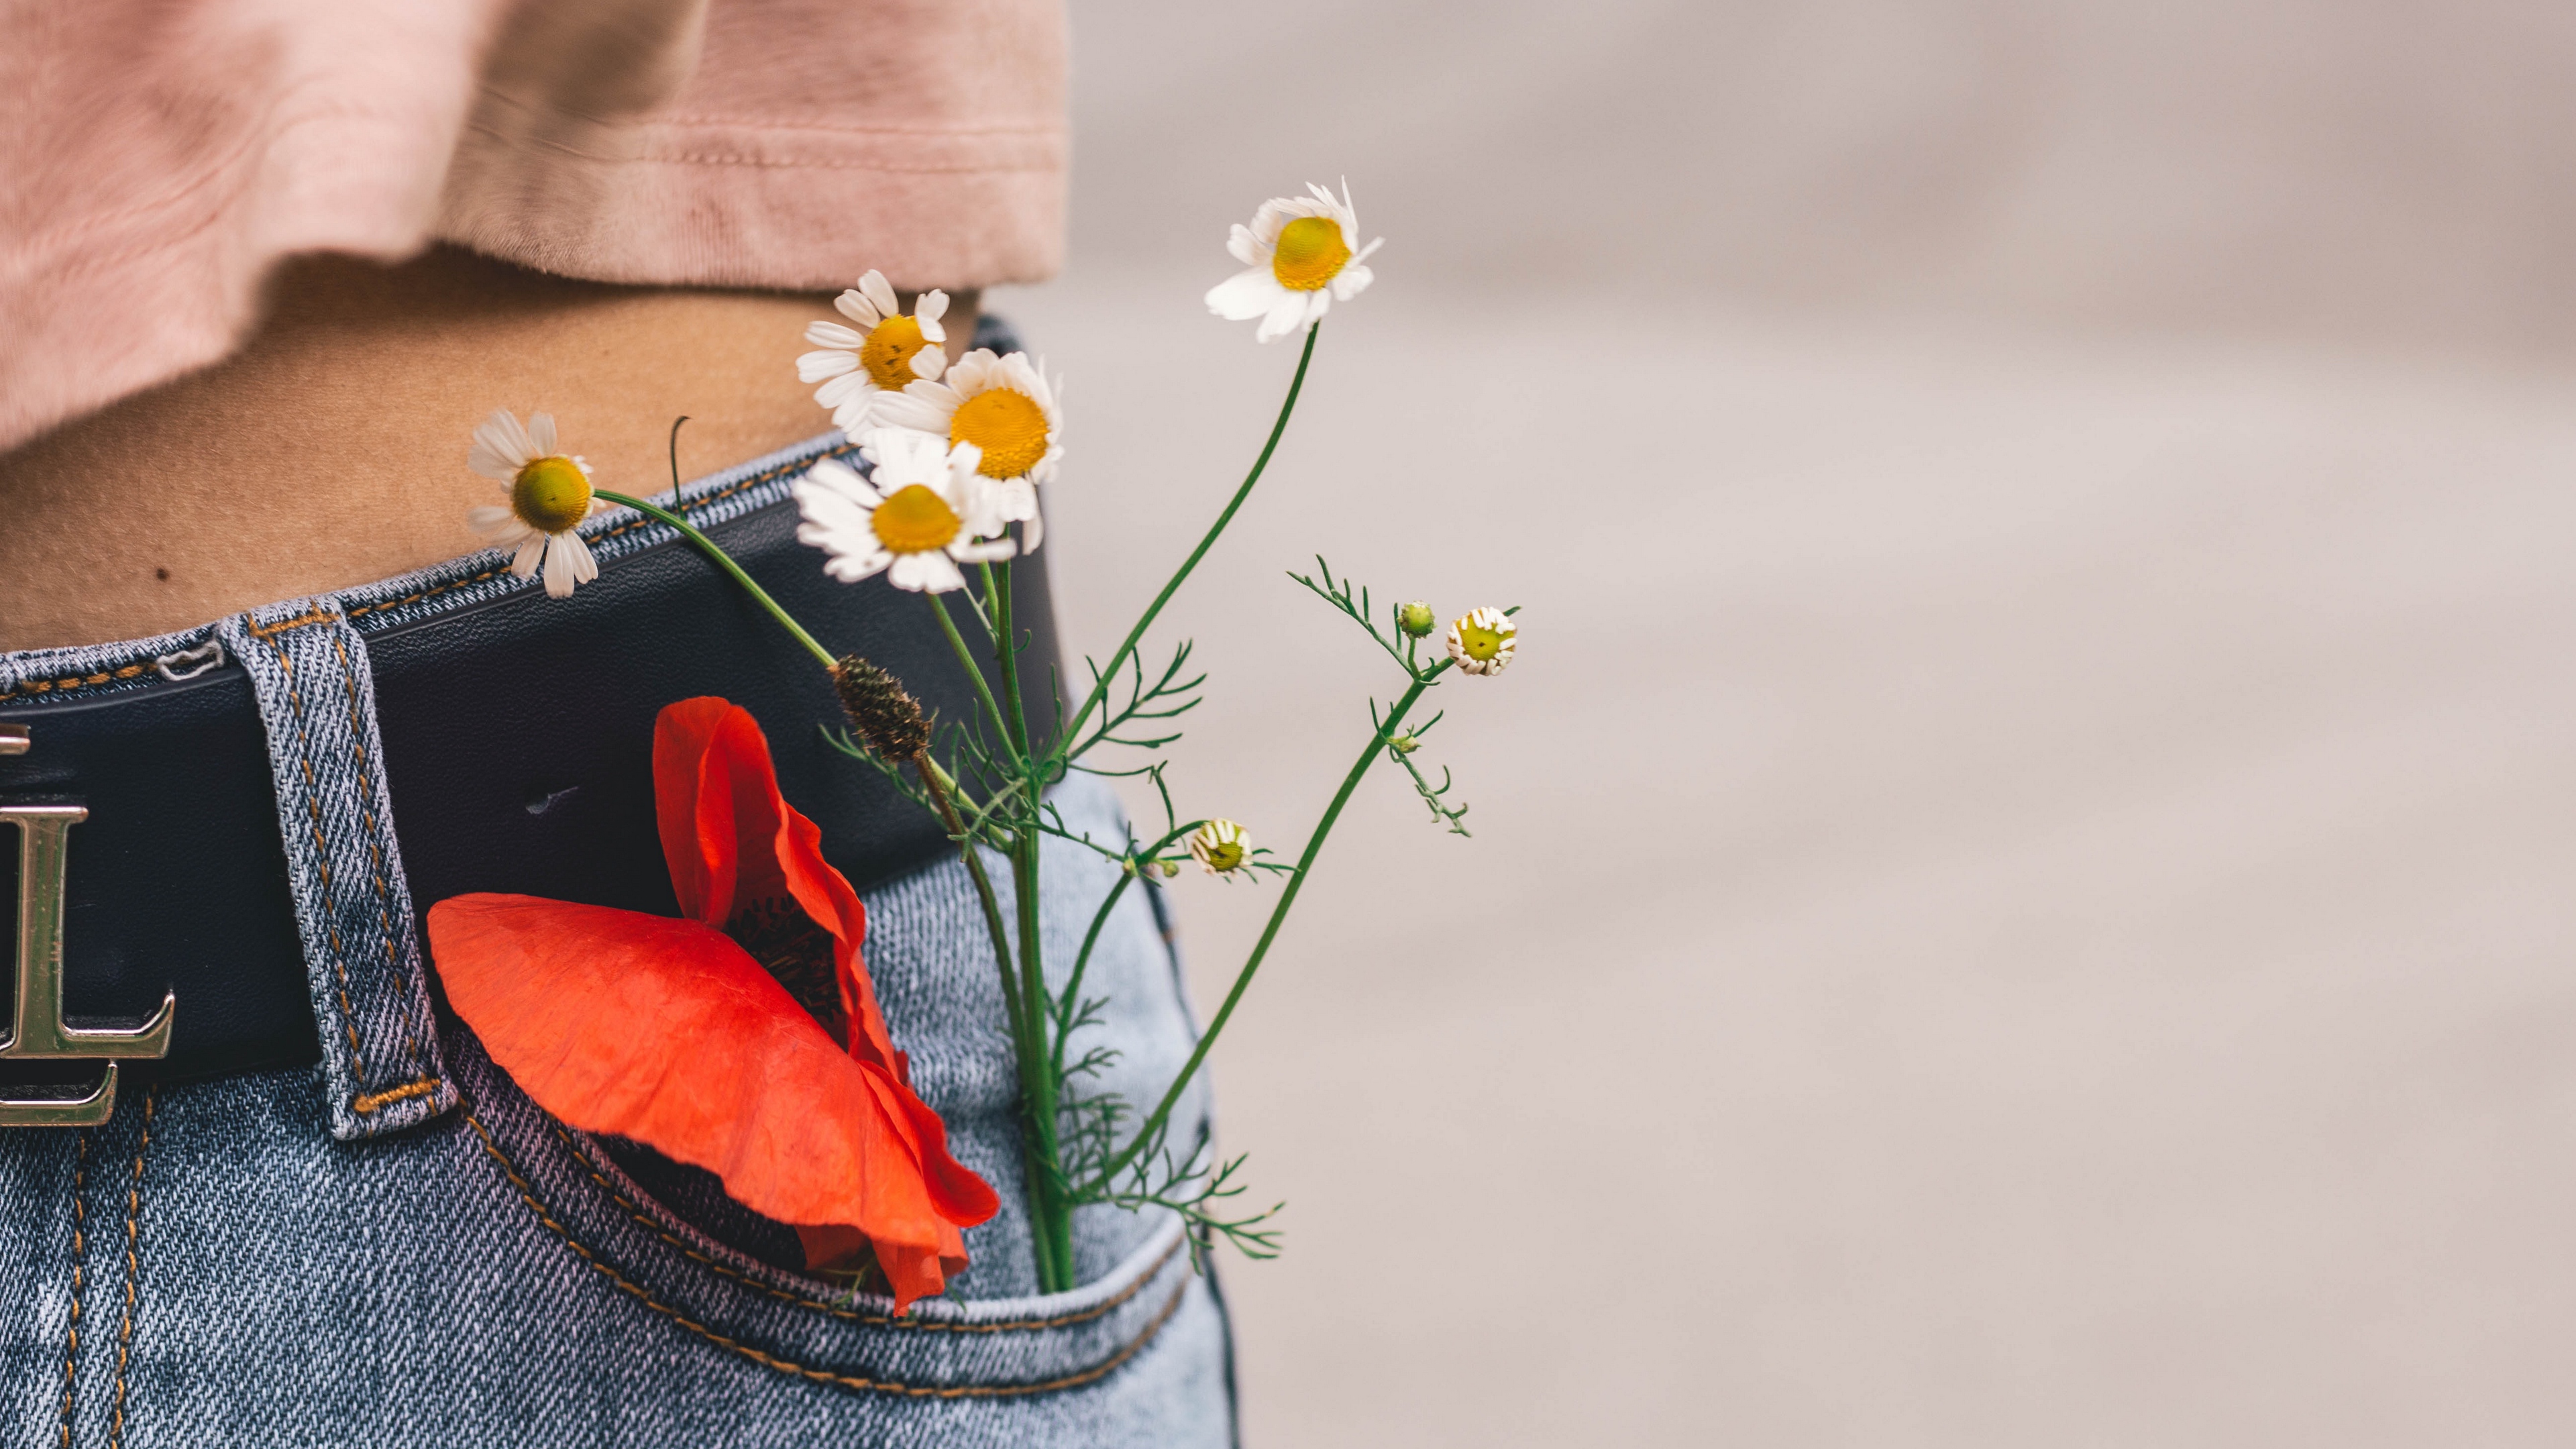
[[912, 1272], [960, 1195], [727, 830], [667, 1032], [682, 734], [826, 896]]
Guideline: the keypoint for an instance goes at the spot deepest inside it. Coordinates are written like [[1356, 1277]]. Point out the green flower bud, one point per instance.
[[1416, 619], [1404, 744]]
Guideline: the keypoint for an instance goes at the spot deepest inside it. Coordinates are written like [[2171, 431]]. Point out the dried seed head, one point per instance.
[[887, 716]]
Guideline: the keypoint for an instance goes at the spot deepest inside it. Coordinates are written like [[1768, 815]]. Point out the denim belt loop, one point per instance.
[[362, 953]]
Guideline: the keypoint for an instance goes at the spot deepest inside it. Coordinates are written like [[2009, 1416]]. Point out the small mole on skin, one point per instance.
[[162, 574]]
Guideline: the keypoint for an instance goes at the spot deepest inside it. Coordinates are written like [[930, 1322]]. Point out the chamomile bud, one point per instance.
[[1221, 846], [1417, 619], [1170, 868], [1481, 641], [1405, 744]]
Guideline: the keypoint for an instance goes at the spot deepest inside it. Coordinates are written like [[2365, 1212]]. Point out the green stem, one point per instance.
[[1100, 689], [1006, 652], [1016, 1004], [943, 788], [1054, 1212], [966, 657], [1063, 1006], [1137, 863], [725, 561], [1050, 1220], [1243, 979]]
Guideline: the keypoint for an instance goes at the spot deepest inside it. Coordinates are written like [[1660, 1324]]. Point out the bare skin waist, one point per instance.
[[330, 451]]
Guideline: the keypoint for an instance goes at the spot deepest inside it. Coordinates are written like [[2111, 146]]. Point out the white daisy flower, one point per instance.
[[918, 516], [1481, 640], [1006, 407], [549, 495], [1297, 258], [1222, 846], [887, 350]]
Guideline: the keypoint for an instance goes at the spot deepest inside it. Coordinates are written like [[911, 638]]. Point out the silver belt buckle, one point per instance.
[[37, 1031]]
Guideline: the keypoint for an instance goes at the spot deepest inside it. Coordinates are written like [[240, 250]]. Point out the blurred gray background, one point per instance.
[[2019, 894]]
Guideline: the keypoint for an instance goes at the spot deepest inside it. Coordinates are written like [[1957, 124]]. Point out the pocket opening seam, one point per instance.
[[1101, 1370], [852, 1315]]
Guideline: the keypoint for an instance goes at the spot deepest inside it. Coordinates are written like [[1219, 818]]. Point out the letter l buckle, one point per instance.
[[37, 1029]]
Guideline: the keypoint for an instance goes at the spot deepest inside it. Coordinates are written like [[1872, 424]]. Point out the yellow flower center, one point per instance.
[[915, 520], [1225, 856], [551, 494], [887, 354], [1479, 642], [1009, 426], [1311, 252]]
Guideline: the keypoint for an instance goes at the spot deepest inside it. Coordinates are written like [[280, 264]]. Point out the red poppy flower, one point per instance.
[[672, 1033]]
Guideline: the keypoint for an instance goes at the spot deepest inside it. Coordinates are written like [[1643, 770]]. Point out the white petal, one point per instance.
[[966, 376], [836, 476], [1032, 530], [492, 519], [1365, 251], [858, 309], [560, 570], [833, 334], [928, 361], [501, 447], [1014, 499], [1318, 302], [816, 366], [1246, 294], [1283, 317], [932, 572], [840, 480], [584, 566], [1247, 248], [1351, 281], [993, 551], [531, 550], [905, 456], [916, 410], [541, 433], [849, 568], [879, 291], [856, 414], [838, 390], [932, 306]]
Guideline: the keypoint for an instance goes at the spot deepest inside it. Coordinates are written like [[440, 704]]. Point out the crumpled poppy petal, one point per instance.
[[730, 838], [702, 869], [668, 1032], [912, 1272]]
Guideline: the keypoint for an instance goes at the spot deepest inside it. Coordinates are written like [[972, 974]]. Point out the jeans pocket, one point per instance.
[[735, 1304]]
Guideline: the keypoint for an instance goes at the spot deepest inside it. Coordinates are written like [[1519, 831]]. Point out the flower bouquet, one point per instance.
[[744, 1036]]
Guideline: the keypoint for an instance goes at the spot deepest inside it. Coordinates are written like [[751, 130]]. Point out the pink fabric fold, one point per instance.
[[166, 152]]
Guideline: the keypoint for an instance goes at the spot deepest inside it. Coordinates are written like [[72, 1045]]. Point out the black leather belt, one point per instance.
[[517, 737]]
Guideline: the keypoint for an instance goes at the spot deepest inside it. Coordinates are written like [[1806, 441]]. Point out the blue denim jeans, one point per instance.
[[398, 1247]]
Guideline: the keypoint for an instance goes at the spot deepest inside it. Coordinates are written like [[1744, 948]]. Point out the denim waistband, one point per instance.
[[274, 798]]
